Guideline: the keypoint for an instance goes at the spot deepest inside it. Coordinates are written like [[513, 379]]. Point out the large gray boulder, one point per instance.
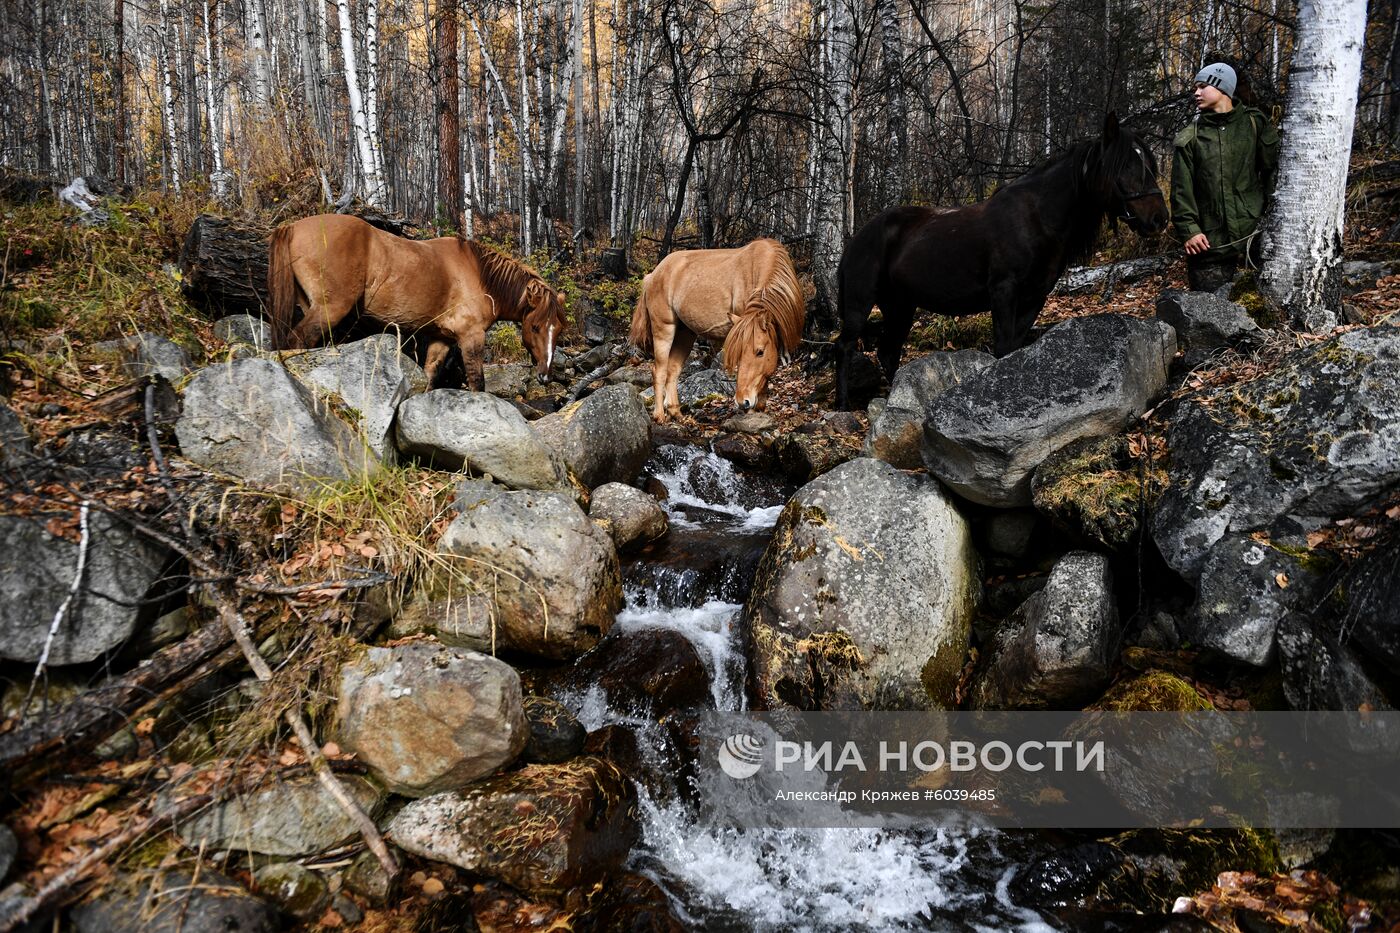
[[370, 377], [176, 902], [1056, 650], [37, 568], [605, 438], [865, 596], [15, 446], [630, 516], [427, 718], [1087, 377], [480, 433], [897, 431], [151, 354], [1245, 589], [254, 420], [1315, 440], [291, 817], [551, 575], [1204, 322], [544, 829]]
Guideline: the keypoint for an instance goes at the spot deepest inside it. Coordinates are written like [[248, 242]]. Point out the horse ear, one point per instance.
[[1110, 126], [734, 319]]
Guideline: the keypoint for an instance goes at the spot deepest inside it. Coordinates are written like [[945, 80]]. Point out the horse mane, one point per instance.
[[775, 307], [512, 283], [1093, 166]]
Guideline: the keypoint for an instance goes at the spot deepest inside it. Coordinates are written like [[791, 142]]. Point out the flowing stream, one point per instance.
[[725, 879]]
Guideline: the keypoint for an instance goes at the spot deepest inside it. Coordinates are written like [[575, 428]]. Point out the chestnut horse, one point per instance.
[[747, 297], [448, 290], [1003, 254]]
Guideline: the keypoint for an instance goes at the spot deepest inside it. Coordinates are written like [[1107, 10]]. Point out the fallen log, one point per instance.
[[224, 266], [1081, 279]]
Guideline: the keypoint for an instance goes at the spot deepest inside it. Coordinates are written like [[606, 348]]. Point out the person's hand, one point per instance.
[[1197, 244]]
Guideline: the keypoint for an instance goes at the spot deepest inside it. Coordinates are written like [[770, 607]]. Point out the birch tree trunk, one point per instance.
[[892, 53], [213, 89], [522, 128], [1303, 234], [369, 169], [163, 56], [834, 126], [372, 89], [257, 51]]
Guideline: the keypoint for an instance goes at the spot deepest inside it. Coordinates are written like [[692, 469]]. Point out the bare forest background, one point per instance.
[[647, 125]]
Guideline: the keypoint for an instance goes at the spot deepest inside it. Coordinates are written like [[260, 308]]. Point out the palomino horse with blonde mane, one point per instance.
[[447, 290], [747, 297]]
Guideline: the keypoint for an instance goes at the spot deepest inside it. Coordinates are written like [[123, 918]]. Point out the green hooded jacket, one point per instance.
[[1222, 174]]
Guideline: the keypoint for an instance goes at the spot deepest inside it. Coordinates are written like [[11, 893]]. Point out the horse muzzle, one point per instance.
[[541, 378], [746, 404]]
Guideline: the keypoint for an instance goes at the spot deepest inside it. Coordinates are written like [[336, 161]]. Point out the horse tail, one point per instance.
[[640, 334], [281, 285]]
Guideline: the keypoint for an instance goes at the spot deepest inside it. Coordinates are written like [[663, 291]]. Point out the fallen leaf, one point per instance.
[[1282, 581]]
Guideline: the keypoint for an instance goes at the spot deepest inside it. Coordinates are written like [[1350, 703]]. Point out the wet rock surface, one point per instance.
[[631, 517]]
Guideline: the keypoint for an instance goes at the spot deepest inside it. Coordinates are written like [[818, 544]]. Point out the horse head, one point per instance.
[[757, 344], [542, 324], [1124, 175]]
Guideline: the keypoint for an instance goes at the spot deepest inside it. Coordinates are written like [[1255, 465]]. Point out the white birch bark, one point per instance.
[[837, 43], [257, 53], [522, 127], [172, 135], [369, 169], [892, 55], [1303, 235], [213, 92], [372, 86]]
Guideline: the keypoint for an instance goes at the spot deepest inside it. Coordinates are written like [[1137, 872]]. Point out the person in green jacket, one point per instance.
[[1222, 175]]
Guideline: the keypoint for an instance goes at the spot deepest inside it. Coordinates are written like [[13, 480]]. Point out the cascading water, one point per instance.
[[771, 879]]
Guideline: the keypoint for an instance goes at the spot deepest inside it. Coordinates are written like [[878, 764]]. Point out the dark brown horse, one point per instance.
[[446, 290], [1002, 254]]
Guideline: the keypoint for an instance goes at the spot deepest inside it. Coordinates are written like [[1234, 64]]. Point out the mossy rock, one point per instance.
[[1097, 491], [1153, 691], [1164, 864]]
